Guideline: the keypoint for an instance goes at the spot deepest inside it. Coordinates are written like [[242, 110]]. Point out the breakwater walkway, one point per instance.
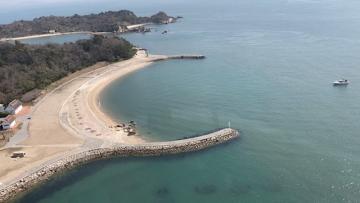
[[45, 171]]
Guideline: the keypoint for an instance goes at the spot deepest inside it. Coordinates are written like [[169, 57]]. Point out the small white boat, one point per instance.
[[341, 82]]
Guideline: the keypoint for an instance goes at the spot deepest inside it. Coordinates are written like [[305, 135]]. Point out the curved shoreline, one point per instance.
[[83, 113], [94, 94], [71, 114]]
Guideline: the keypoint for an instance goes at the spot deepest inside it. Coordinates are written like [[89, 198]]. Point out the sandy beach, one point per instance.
[[69, 120], [84, 114], [67, 127]]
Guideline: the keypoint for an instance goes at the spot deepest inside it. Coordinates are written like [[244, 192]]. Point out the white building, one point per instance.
[[122, 29], [7, 123], [169, 20], [52, 31], [14, 107]]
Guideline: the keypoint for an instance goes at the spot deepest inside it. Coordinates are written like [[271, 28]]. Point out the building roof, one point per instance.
[[15, 104], [9, 119]]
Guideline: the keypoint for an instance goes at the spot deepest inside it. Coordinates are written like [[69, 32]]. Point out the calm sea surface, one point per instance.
[[268, 70]]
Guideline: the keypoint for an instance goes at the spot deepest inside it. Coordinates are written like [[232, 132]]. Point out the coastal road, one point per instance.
[[21, 134]]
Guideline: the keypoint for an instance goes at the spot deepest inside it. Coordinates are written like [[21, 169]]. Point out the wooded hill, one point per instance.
[[102, 22], [27, 67]]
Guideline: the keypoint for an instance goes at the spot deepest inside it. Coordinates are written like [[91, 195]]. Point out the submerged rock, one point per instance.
[[272, 187], [206, 189], [164, 191], [240, 189]]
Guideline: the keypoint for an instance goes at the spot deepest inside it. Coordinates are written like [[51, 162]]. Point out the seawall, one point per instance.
[[142, 150], [194, 57], [187, 57]]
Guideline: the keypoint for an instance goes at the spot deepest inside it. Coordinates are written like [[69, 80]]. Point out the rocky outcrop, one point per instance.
[[162, 18], [149, 149]]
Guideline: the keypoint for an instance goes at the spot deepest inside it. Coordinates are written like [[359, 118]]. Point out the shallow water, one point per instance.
[[268, 70]]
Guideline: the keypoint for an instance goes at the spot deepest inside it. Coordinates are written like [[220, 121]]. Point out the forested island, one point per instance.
[[110, 21], [27, 67]]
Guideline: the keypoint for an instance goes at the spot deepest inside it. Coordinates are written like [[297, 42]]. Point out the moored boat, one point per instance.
[[342, 82]]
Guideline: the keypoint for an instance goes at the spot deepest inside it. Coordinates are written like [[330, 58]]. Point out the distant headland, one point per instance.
[[110, 21], [30, 65]]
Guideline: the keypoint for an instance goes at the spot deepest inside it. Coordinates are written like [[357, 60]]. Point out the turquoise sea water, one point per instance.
[[268, 70]]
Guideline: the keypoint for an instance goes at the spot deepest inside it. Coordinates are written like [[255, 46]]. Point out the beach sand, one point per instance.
[[69, 119]]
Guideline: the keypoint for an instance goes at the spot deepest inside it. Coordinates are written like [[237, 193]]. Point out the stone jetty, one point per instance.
[[187, 57], [26, 182], [174, 57]]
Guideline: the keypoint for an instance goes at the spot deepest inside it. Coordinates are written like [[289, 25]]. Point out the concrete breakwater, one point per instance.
[[187, 57], [195, 57], [25, 183]]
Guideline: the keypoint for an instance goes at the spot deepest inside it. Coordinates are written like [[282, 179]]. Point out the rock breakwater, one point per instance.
[[27, 181]]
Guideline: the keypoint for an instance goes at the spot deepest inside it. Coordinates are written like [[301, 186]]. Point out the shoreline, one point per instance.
[[52, 136], [94, 96], [68, 121], [84, 114]]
